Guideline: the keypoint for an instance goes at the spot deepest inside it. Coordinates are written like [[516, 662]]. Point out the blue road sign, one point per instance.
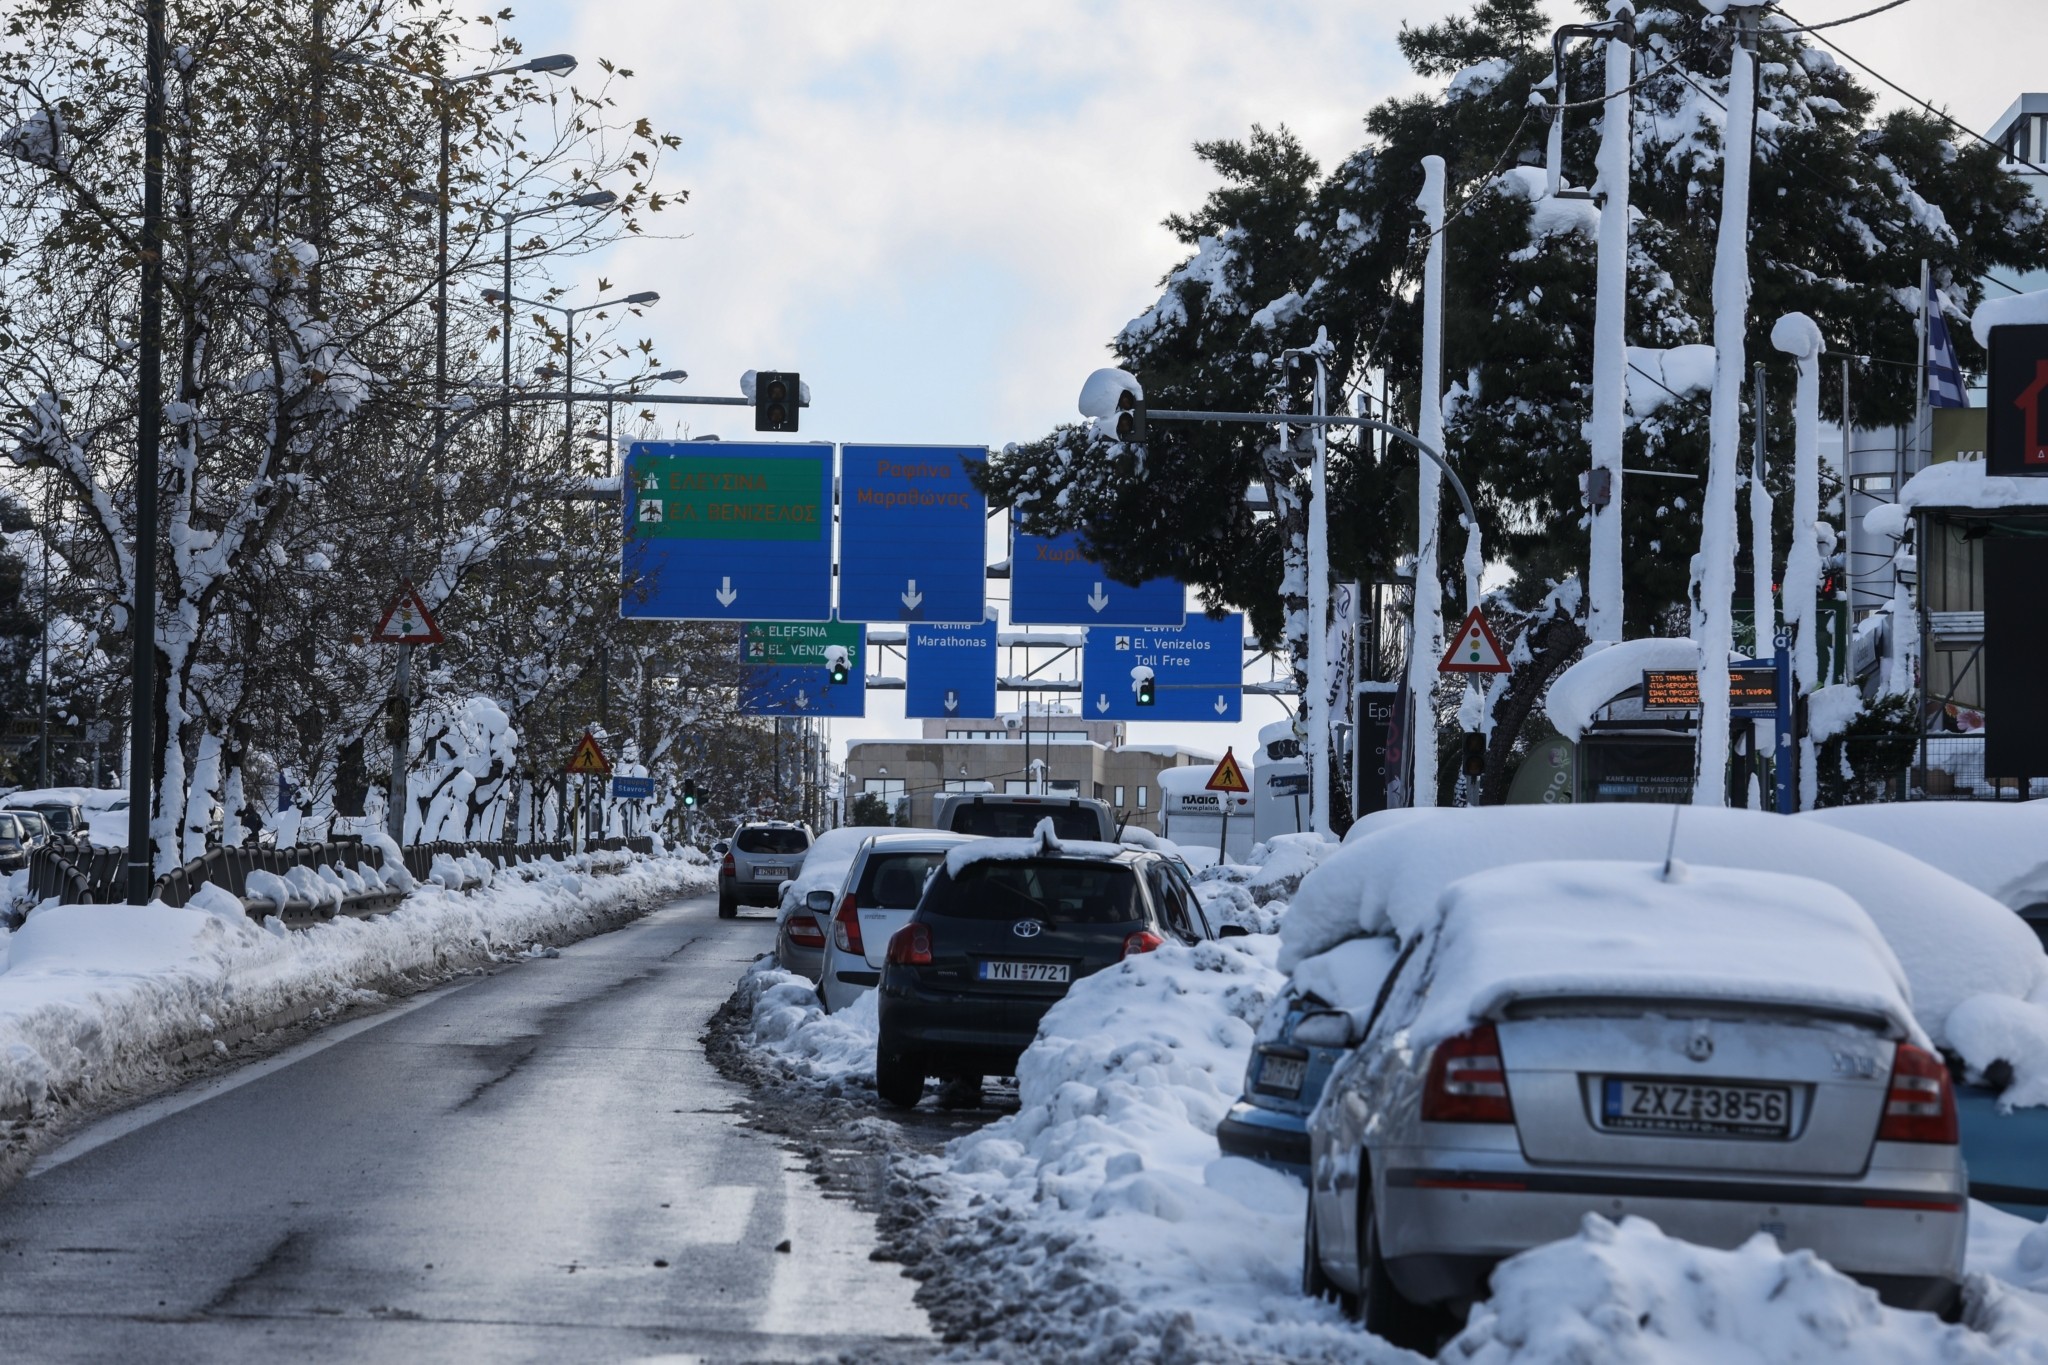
[[727, 531], [912, 534], [950, 672], [632, 788], [1197, 671], [800, 684], [1053, 584]]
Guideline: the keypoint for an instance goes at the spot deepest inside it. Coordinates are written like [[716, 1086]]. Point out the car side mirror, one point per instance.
[[1326, 1028], [819, 902], [720, 847], [1233, 931]]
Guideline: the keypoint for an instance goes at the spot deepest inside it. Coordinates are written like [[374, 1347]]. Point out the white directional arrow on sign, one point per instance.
[[952, 700], [1221, 706], [726, 594], [912, 597], [1098, 599], [803, 699], [1101, 702]]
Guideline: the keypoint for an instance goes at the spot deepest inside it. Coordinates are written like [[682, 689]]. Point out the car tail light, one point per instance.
[[804, 931], [1467, 1081], [912, 946], [1920, 1106], [1144, 941], [726, 868], [846, 929]]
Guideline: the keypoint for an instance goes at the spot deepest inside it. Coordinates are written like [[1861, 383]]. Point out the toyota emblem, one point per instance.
[[1027, 928]]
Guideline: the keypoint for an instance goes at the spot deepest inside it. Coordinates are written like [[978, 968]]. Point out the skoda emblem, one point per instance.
[[1027, 928], [1700, 1046]]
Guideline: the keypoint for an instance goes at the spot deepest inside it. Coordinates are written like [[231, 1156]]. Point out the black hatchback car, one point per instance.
[[1005, 926]]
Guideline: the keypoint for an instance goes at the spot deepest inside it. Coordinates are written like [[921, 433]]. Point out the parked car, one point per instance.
[[1004, 927], [1602, 1037], [35, 829], [1015, 817], [13, 846], [1384, 884], [881, 889], [799, 932], [64, 817], [761, 857]]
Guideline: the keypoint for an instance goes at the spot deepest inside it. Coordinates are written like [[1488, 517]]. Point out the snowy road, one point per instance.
[[491, 1172]]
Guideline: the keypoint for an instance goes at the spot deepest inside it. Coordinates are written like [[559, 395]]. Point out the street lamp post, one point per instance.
[[148, 417], [596, 199], [1100, 399], [569, 316]]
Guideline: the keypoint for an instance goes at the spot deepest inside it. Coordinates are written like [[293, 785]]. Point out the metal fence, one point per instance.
[[76, 873], [1862, 769]]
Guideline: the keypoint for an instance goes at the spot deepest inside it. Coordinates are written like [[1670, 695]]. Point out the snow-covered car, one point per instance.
[[35, 826], [1979, 979], [13, 844], [760, 858], [799, 932], [1004, 927], [64, 816], [1720, 1051], [880, 890]]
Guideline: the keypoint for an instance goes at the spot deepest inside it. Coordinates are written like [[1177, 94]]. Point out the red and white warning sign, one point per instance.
[[407, 620], [1475, 649], [1228, 777]]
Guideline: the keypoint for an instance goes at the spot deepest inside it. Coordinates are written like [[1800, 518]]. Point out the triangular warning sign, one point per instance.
[[1475, 649], [407, 620], [588, 758], [1228, 777]]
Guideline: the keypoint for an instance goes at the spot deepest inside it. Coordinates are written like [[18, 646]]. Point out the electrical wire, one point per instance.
[[1837, 23]]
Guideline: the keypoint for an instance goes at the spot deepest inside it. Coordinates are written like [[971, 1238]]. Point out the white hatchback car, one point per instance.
[[881, 889]]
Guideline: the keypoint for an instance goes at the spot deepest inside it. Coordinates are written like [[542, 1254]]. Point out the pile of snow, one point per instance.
[[1101, 1217], [1627, 1293], [1962, 483], [787, 1026], [2001, 848], [94, 998], [1658, 376], [1543, 930], [2012, 310], [1254, 894]]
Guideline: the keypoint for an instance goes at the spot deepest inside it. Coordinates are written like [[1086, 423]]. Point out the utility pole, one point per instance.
[[148, 416], [1714, 579], [1798, 336], [1604, 596]]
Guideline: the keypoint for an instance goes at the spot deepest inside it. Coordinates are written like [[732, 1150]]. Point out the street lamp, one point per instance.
[[569, 316], [594, 199]]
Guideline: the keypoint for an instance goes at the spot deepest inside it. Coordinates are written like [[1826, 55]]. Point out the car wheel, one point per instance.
[[728, 908], [1389, 1314], [899, 1080], [1315, 1281]]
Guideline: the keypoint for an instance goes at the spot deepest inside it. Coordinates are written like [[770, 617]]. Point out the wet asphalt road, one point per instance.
[[489, 1172]]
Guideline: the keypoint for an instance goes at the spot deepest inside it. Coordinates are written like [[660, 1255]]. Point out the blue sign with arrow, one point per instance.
[[727, 531], [950, 671], [1052, 583], [912, 529], [801, 683], [1197, 671]]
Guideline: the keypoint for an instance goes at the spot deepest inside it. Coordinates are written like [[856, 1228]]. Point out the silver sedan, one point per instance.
[[1717, 1088]]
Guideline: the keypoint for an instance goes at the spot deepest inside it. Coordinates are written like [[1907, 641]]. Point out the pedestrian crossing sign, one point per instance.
[[1228, 777], [1475, 649], [588, 758]]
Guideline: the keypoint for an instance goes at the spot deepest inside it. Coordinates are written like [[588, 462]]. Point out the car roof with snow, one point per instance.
[[1953, 941], [1531, 932], [1042, 844], [915, 840], [2001, 848]]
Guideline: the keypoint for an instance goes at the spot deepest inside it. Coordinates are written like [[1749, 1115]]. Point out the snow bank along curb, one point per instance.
[[100, 1001]]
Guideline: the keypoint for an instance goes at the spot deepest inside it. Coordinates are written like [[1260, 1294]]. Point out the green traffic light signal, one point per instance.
[[689, 793], [1145, 697]]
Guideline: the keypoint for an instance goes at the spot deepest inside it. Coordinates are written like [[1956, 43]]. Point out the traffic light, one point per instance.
[[689, 793], [1145, 696], [1475, 755], [778, 395], [1130, 420], [839, 673]]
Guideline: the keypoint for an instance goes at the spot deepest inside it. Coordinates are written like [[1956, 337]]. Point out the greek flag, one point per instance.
[[1944, 375]]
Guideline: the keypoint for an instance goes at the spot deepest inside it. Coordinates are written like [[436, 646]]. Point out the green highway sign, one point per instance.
[[797, 644], [727, 530], [729, 497]]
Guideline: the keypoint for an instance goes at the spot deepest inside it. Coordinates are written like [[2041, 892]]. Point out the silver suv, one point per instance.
[[759, 858], [1015, 817]]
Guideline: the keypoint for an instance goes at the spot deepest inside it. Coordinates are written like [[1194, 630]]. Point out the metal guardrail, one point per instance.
[[75, 873]]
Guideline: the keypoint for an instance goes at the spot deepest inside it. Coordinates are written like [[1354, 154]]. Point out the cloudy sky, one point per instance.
[[940, 211]]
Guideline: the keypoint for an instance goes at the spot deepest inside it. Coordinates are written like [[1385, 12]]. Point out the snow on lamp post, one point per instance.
[[1610, 312], [1713, 575], [1428, 612], [1798, 336]]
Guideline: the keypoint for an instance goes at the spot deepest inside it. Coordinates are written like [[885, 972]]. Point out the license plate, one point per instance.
[[766, 872], [1055, 972], [1282, 1075], [1682, 1107]]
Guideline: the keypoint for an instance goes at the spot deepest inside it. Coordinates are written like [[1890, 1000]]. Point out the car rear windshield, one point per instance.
[[1017, 822], [1054, 890], [894, 881], [59, 818], [773, 841]]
